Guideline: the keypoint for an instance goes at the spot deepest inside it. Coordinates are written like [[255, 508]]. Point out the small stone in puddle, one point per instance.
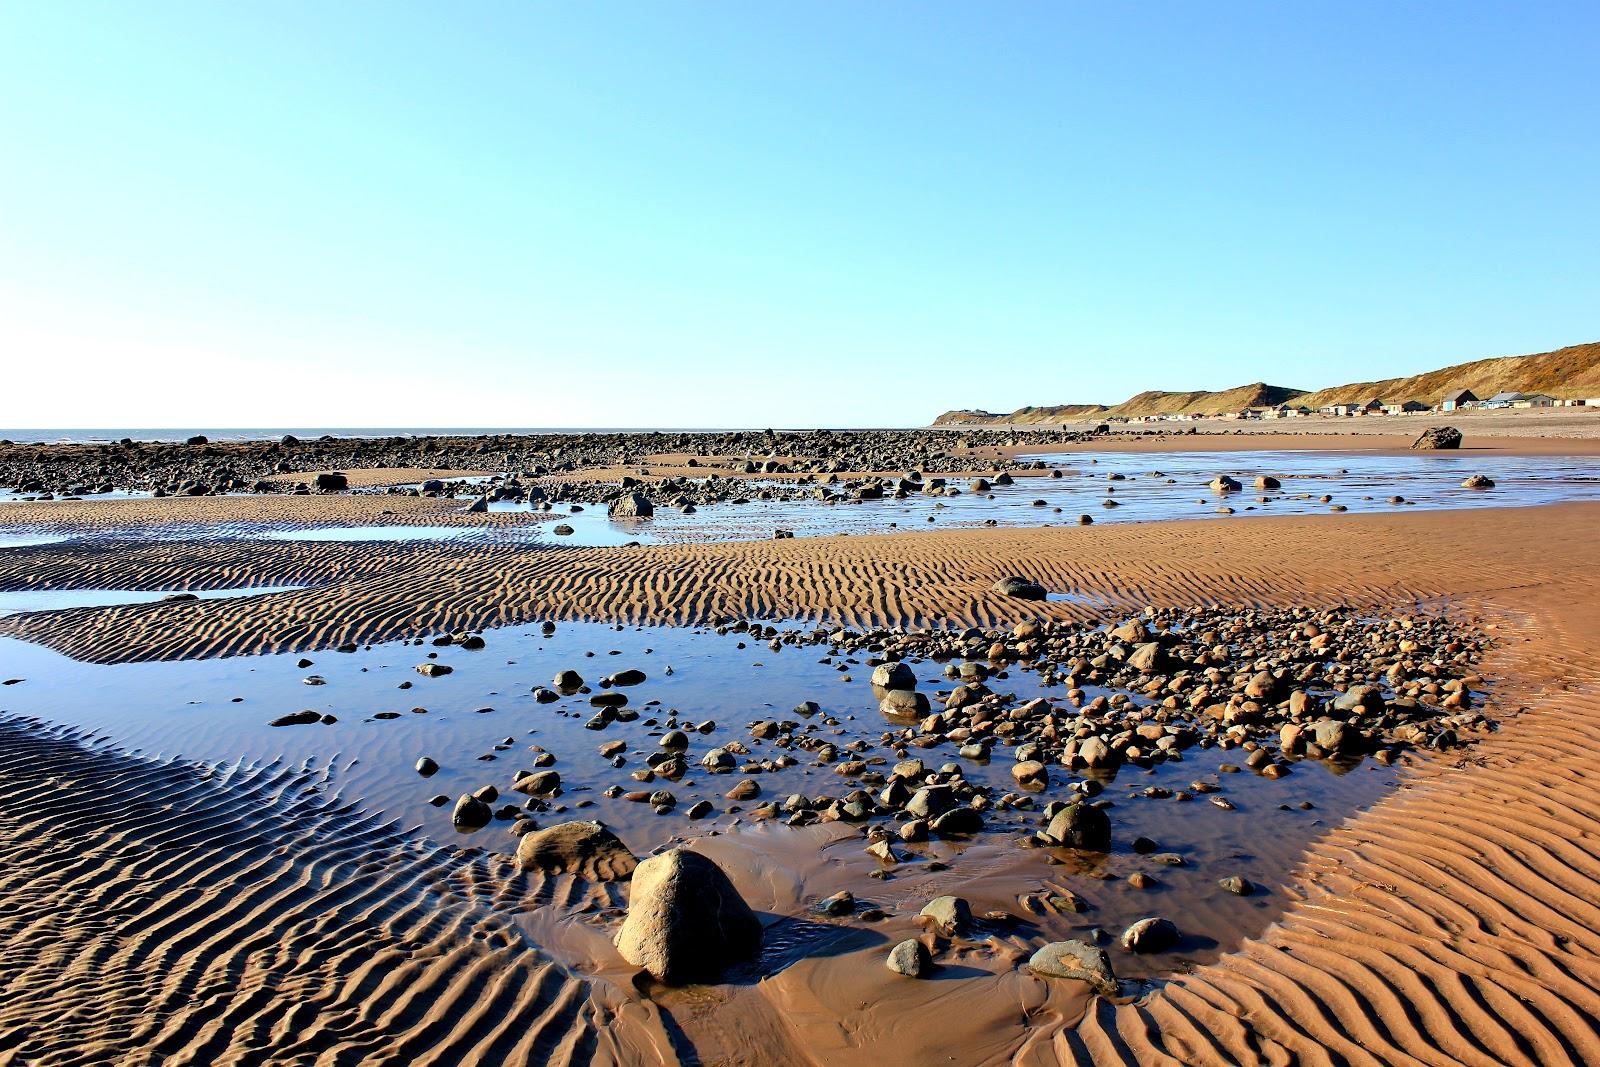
[[1237, 885]]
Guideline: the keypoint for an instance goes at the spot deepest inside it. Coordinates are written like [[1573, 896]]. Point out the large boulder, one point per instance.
[[331, 482], [632, 506], [587, 849], [686, 922], [1438, 437]]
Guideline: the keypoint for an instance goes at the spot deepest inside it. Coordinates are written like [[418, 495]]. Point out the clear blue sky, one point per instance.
[[754, 213]]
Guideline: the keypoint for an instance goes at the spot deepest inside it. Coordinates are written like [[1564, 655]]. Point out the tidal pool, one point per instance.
[[481, 723]]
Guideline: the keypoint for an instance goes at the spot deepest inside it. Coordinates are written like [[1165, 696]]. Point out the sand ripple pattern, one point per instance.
[[378, 592], [165, 912]]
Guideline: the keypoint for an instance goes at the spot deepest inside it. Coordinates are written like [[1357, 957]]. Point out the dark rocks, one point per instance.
[[958, 822], [297, 718], [330, 482], [840, 904], [1438, 437], [686, 922]]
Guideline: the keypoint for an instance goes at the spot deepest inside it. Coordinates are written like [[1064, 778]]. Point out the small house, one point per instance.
[[1461, 398], [1534, 400]]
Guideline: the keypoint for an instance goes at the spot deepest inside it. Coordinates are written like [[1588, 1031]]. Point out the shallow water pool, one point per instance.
[[481, 723]]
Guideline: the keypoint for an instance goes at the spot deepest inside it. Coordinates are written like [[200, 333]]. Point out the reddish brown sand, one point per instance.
[[1455, 922]]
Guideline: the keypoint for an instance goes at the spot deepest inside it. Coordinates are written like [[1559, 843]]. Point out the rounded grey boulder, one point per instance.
[[910, 958]]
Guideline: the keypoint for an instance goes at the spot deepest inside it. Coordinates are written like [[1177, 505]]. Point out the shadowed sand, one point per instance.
[[1455, 922]]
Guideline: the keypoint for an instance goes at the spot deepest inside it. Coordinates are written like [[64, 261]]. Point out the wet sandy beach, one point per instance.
[[188, 877]]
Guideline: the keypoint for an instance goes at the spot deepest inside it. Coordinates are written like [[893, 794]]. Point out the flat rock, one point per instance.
[[1076, 960]]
